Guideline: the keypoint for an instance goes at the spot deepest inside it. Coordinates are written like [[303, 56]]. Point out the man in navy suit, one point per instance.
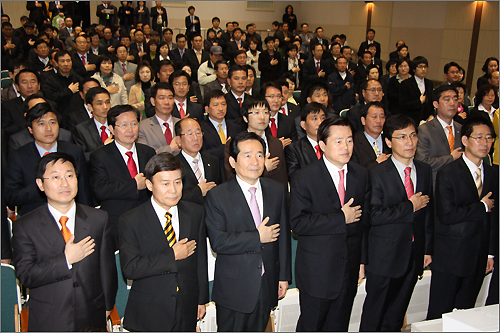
[[341, 86], [178, 54], [193, 26], [181, 81], [370, 36]]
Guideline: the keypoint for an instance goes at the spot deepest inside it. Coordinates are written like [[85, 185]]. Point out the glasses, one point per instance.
[[192, 134], [127, 125], [374, 90], [488, 139], [422, 66], [182, 84], [68, 177], [258, 113], [274, 96], [404, 137]]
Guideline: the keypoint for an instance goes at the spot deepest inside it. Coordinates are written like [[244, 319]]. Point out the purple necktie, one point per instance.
[[254, 208]]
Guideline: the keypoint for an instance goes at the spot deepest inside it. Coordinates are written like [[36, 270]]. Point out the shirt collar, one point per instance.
[[312, 142], [70, 214], [444, 124], [332, 168], [42, 151], [245, 186], [216, 124], [124, 150], [471, 165], [190, 159], [160, 212]]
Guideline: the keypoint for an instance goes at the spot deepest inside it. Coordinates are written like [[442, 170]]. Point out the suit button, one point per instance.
[[75, 285], [262, 247], [259, 267], [168, 272]]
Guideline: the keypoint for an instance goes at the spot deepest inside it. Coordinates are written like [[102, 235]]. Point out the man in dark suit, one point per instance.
[[237, 78], [332, 230], [253, 264], [369, 146], [370, 36], [193, 26], [107, 14], [400, 240], [181, 81], [464, 248], [12, 47], [220, 83], [108, 41], [415, 94], [287, 108], [96, 48], [67, 30], [178, 54], [159, 17], [38, 12], [63, 253], [93, 133], [347, 53], [80, 113], [196, 56], [117, 168], [372, 92], [438, 142], [361, 70], [41, 60], [84, 62], [157, 250], [305, 150], [315, 68], [341, 86], [216, 129], [20, 185], [236, 44], [201, 170]]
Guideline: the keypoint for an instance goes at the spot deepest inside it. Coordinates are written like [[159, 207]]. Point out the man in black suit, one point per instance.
[[38, 12], [139, 47], [281, 126], [365, 60], [93, 133], [107, 14], [96, 48], [236, 44], [464, 248], [372, 92], [63, 253], [303, 152], [84, 62], [41, 60], [237, 78], [67, 31], [178, 54], [193, 27], [11, 47], [117, 168], [251, 238], [201, 170], [370, 36], [220, 83], [369, 146], [375, 60], [400, 240], [341, 86], [347, 53], [162, 248], [196, 56], [287, 108], [20, 185], [108, 41], [80, 113], [315, 68], [181, 81], [332, 230], [415, 94], [216, 129]]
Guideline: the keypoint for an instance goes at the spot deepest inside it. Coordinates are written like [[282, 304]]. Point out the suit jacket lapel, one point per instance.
[[327, 178], [394, 174], [50, 231], [118, 157], [239, 200], [420, 179], [140, 157], [365, 145], [209, 171], [469, 181], [184, 222], [153, 226], [438, 130], [82, 225], [93, 132], [309, 150], [156, 129], [351, 183]]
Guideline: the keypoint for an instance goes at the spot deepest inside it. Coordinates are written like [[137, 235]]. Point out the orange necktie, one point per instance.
[[451, 138], [64, 230]]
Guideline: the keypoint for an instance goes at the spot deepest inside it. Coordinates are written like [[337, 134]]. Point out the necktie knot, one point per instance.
[[222, 136], [195, 161], [182, 113], [274, 128], [63, 220], [132, 167], [46, 153], [283, 110], [64, 229], [129, 154], [104, 135], [273, 120], [408, 183], [240, 101], [252, 190]]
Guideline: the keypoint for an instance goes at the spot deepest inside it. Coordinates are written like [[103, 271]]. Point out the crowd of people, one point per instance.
[[182, 140]]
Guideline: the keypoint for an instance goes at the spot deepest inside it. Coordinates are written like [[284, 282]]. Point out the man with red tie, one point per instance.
[[117, 168], [400, 240], [158, 132], [63, 252], [237, 78], [332, 230], [306, 150], [183, 107]]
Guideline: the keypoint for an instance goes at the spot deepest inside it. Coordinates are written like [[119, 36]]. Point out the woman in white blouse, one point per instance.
[[253, 54], [111, 81]]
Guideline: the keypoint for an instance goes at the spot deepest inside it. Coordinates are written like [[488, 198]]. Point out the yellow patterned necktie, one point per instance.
[[169, 230], [221, 135], [479, 182]]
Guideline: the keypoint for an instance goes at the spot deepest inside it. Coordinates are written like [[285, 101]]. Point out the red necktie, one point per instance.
[[283, 111], [408, 183], [341, 188], [83, 60], [168, 133], [317, 67], [318, 151], [104, 135], [132, 168], [181, 110], [124, 70], [274, 129], [140, 47], [240, 101], [46, 153]]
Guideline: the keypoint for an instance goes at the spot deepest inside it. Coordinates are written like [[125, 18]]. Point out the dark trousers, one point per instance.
[[326, 315], [451, 291], [387, 300], [229, 320]]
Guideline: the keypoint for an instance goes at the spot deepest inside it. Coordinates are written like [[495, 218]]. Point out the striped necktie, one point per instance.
[[169, 230]]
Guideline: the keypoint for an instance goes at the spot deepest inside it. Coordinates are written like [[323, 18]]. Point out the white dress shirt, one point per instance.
[[333, 170], [99, 125], [444, 125], [258, 194], [420, 84], [160, 212], [123, 152]]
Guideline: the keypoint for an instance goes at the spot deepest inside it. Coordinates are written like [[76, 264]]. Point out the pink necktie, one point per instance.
[[132, 168], [197, 172], [341, 188], [168, 133], [408, 183], [274, 129], [124, 69], [254, 208], [181, 110]]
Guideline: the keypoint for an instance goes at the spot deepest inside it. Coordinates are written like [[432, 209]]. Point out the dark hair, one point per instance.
[[215, 18], [168, 29], [252, 102], [483, 90], [218, 62], [439, 90], [417, 61], [313, 107], [449, 65], [367, 106], [487, 62], [238, 52], [117, 110], [370, 67], [401, 60], [61, 53], [103, 58], [333, 38], [344, 48], [38, 111], [85, 80], [268, 39], [38, 42], [151, 42], [29, 25], [470, 122], [316, 85], [125, 36], [269, 84], [26, 70], [121, 45], [17, 63], [304, 24], [6, 24], [251, 68], [457, 85], [333, 44], [92, 92], [366, 52], [342, 36], [166, 62], [162, 162], [29, 98], [191, 7], [236, 23], [236, 68], [179, 36], [286, 9], [291, 47], [316, 30], [287, 75], [364, 84], [214, 93], [324, 127], [237, 29], [161, 85], [53, 158], [275, 23], [178, 73], [390, 63], [142, 64], [397, 122], [228, 23], [367, 31], [250, 25], [241, 137], [402, 46]]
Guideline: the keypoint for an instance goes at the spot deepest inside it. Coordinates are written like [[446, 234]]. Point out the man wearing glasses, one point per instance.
[[117, 168], [400, 239], [183, 107], [372, 92]]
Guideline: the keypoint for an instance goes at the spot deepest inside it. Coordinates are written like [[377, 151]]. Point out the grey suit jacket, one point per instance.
[[130, 68], [150, 134], [433, 148], [8, 93], [24, 137]]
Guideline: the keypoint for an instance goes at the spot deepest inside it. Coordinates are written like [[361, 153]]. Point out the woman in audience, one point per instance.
[[252, 88], [485, 97], [144, 77], [161, 54], [292, 63], [392, 69], [403, 52], [152, 46], [291, 87], [490, 66], [403, 66], [210, 40], [111, 81], [253, 54], [290, 18], [463, 110]]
